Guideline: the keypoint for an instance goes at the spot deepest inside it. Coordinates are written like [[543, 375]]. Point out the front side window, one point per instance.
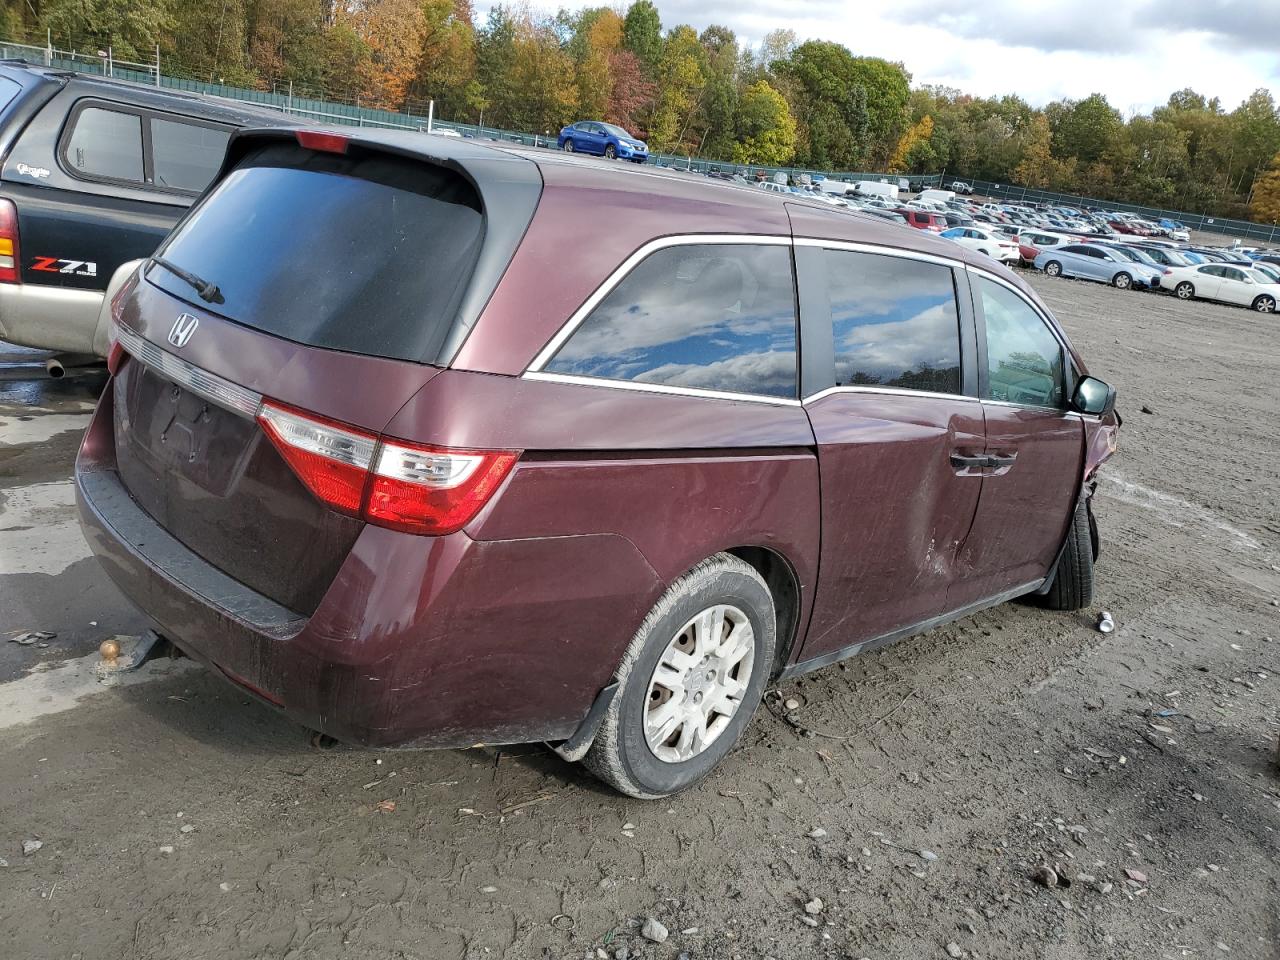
[[106, 143], [708, 316], [186, 156], [1024, 358], [895, 322]]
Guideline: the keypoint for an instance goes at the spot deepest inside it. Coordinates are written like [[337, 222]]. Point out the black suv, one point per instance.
[[93, 173]]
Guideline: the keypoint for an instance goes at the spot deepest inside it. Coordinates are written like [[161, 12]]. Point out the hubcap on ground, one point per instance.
[[699, 683]]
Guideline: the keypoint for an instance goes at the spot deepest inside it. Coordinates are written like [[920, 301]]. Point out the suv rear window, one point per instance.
[[368, 253]]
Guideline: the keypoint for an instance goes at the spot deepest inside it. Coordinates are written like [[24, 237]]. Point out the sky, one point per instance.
[[1136, 52]]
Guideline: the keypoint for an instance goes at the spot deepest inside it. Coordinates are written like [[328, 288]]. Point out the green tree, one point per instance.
[[681, 78], [1086, 130], [131, 28], [642, 32], [765, 128]]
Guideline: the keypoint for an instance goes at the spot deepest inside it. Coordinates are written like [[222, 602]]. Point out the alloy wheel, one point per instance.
[[698, 683], [1265, 305], [568, 146], [1053, 268]]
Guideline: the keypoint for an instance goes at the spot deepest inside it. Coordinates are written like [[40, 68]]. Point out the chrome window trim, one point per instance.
[[576, 319], [889, 391], [884, 251], [217, 390], [639, 386]]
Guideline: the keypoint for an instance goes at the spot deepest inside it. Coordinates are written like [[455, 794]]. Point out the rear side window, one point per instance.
[[186, 156], [1024, 358], [894, 321], [709, 316], [106, 143], [365, 253]]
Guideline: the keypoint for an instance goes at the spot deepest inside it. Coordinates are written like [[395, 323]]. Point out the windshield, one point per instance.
[[369, 254], [1260, 276], [617, 131]]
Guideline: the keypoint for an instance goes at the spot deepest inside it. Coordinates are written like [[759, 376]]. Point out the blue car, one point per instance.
[[1091, 261], [603, 139]]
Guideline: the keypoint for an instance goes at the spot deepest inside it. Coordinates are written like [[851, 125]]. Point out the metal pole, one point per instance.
[[157, 64], [48, 49], [431, 113], [291, 96]]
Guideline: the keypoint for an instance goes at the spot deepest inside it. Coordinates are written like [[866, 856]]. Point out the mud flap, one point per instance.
[[1095, 541], [576, 747]]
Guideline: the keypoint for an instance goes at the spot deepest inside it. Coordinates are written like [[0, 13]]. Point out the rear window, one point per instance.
[[368, 254], [186, 156]]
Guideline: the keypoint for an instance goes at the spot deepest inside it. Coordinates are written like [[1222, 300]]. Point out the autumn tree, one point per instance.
[[1265, 205], [680, 79], [392, 30], [632, 91], [542, 84], [911, 145], [446, 68]]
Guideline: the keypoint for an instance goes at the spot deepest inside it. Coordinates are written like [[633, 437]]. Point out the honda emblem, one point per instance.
[[182, 330]]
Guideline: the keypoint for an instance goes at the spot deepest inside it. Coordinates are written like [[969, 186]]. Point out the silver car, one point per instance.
[[1089, 261]]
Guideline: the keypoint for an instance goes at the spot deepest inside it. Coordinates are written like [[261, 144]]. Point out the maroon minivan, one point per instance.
[[431, 443]]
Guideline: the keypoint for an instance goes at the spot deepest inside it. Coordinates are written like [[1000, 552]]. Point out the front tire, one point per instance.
[[1072, 585], [689, 681], [1184, 291], [610, 152], [1053, 269], [1265, 304], [1122, 281]]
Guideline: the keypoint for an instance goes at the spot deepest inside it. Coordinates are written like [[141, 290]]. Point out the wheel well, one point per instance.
[[785, 587]]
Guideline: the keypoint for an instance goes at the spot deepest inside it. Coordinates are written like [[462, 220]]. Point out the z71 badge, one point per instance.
[[77, 268]]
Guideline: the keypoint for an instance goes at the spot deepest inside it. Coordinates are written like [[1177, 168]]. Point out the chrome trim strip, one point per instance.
[[210, 386], [883, 251], [890, 391], [677, 240], [641, 387]]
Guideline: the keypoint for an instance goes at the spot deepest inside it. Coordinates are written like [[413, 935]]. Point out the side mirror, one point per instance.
[[1094, 397]]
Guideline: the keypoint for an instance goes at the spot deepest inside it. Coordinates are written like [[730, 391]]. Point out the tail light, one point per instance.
[[10, 259], [414, 488], [115, 349]]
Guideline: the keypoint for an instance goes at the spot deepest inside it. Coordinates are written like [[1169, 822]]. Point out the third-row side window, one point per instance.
[[710, 316], [895, 322]]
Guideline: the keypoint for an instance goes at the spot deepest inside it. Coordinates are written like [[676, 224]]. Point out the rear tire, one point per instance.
[[1184, 291], [1072, 585], [568, 146], [622, 755], [1122, 281], [1053, 269], [1265, 304]]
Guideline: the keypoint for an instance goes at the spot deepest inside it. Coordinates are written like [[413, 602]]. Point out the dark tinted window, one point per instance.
[[368, 254], [8, 90], [714, 316], [895, 322], [106, 143], [1024, 358], [186, 156]]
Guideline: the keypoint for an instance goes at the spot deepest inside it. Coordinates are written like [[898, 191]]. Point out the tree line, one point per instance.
[[812, 104]]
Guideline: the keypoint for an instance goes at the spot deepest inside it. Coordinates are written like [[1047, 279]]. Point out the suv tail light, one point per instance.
[[10, 259], [409, 487]]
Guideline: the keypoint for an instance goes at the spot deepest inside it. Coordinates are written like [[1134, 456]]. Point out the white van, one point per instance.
[[874, 188], [941, 196], [837, 187]]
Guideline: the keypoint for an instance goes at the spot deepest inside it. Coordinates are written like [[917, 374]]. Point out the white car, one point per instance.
[[994, 245], [1225, 283], [1043, 239]]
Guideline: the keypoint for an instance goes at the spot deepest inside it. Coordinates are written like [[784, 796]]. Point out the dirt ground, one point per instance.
[[914, 791]]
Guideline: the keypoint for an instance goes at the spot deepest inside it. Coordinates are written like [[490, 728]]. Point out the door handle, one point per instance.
[[1001, 460], [969, 465]]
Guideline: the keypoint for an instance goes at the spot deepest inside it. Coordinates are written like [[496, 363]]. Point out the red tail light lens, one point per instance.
[[331, 459], [432, 490], [409, 487], [10, 258]]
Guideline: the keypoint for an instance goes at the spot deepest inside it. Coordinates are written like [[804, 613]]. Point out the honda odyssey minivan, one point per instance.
[[434, 444]]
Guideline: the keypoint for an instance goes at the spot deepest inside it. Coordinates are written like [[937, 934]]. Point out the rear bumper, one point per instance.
[[52, 318], [425, 641]]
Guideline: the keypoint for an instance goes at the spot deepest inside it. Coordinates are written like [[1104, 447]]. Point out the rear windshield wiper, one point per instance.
[[208, 292]]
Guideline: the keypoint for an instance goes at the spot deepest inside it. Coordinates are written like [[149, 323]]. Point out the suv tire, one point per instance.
[[621, 754], [1072, 585]]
